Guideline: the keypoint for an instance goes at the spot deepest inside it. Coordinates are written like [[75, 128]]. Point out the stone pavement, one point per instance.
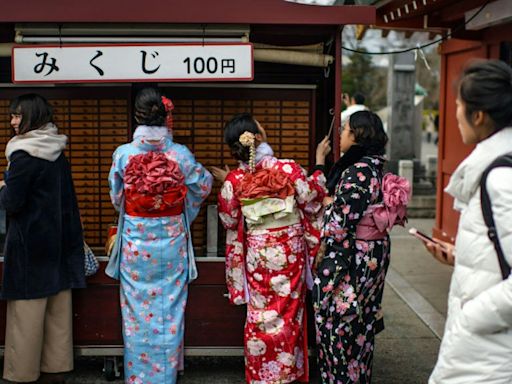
[[405, 352], [417, 277]]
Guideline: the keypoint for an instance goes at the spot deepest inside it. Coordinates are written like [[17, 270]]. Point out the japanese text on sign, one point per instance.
[[169, 62]]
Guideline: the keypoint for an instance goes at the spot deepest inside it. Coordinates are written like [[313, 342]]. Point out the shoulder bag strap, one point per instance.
[[502, 161]]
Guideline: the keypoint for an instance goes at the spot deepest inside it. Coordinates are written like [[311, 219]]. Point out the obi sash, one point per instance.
[[369, 232], [377, 222], [270, 212], [169, 203]]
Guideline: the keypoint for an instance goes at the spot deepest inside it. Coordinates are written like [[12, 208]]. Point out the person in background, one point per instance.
[[477, 341], [349, 282], [160, 186], [44, 253], [436, 128], [348, 154], [272, 213], [354, 103], [430, 127]]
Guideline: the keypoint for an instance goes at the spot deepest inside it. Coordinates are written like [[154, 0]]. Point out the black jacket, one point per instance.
[[44, 251]]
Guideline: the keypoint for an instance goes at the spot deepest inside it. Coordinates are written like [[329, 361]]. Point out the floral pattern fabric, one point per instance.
[[154, 266], [348, 288], [266, 268]]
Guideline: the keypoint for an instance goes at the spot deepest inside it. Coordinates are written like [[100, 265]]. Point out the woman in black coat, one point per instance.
[[43, 255]]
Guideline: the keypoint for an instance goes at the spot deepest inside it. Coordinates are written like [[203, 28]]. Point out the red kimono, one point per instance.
[[272, 218]]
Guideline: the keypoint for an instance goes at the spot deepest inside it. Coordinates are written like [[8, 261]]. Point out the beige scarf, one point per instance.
[[44, 143]]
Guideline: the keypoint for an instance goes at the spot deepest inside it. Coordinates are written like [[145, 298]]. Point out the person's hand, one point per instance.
[[322, 150], [442, 251], [220, 174], [2, 184], [327, 200]]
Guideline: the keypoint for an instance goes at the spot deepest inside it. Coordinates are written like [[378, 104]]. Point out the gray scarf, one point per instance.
[[44, 143]]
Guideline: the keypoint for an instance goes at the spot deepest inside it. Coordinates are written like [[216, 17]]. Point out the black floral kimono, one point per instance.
[[348, 288]]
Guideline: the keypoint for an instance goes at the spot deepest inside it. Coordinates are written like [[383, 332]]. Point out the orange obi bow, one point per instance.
[[265, 182]]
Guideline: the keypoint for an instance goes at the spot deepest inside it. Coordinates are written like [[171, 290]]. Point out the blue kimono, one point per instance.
[[156, 265]]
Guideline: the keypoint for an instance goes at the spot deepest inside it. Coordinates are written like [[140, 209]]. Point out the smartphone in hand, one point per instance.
[[422, 236], [426, 238]]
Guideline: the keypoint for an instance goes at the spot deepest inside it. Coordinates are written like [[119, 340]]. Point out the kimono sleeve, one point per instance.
[[22, 172], [309, 194], [115, 179], [351, 199], [230, 211], [230, 214], [198, 181], [310, 191]]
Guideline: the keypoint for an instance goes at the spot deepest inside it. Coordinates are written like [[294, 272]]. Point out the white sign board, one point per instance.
[[131, 63]]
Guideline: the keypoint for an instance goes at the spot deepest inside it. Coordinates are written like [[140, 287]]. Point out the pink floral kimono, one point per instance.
[[272, 218]]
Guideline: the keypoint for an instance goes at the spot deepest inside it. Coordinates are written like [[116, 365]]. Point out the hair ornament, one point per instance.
[[169, 106], [247, 140]]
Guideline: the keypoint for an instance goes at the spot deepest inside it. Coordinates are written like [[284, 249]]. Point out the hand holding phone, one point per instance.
[[444, 252], [322, 150], [422, 236]]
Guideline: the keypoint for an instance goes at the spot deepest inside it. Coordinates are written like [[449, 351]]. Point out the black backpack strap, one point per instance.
[[502, 161]]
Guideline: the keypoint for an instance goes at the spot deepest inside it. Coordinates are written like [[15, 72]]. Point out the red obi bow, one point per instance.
[[152, 173], [153, 186], [265, 182]]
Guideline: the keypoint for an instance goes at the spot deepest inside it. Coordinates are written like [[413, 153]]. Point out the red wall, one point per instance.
[[455, 54]]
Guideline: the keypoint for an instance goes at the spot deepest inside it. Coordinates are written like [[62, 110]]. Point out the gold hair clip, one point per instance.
[[247, 140]]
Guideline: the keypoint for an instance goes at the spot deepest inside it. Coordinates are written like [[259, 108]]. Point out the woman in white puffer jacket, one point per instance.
[[477, 343]]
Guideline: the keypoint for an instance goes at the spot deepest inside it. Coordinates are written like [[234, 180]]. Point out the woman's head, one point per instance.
[[364, 128], [235, 127], [28, 112], [484, 100], [149, 108]]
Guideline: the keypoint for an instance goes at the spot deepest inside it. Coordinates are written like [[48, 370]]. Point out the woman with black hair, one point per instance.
[[44, 253], [272, 213], [477, 341], [347, 290], [158, 187]]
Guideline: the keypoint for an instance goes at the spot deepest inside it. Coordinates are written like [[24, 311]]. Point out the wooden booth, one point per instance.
[[295, 82], [470, 29]]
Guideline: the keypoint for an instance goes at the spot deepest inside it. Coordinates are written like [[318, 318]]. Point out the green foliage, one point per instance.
[[360, 75]]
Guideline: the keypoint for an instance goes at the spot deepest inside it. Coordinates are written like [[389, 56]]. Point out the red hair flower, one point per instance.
[[169, 106]]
